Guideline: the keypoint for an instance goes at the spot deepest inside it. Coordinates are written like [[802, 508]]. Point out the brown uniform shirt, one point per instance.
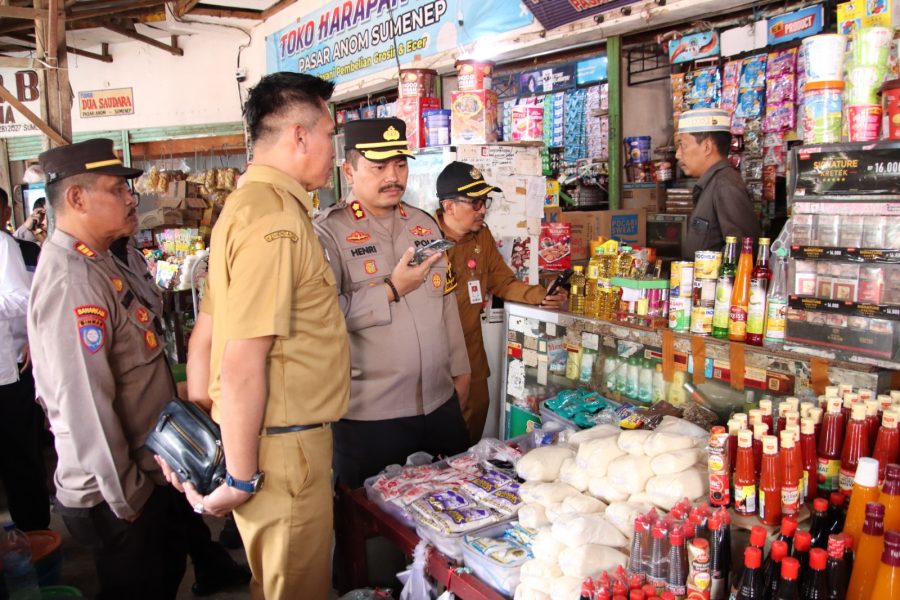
[[100, 374], [404, 354], [268, 276], [495, 277], [722, 208]]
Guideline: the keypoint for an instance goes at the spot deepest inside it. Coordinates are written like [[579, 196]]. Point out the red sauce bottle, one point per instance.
[[744, 476], [887, 442], [808, 458], [770, 483], [791, 476], [831, 441], [856, 445], [873, 421], [760, 430]]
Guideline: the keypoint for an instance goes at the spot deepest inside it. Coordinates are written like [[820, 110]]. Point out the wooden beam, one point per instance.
[[276, 8], [12, 62], [104, 56], [131, 33], [143, 10], [219, 144], [74, 15], [183, 7], [18, 12], [8, 96], [52, 29], [226, 13]]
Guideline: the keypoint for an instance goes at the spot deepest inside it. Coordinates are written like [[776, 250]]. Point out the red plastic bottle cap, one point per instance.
[[836, 546], [752, 557], [892, 471], [649, 590], [639, 525], [658, 532], [667, 595], [788, 526], [848, 540], [818, 558], [802, 541], [837, 499], [714, 523], [820, 505], [702, 544], [676, 536], [892, 537], [779, 550], [687, 530], [758, 536], [636, 595], [790, 568]]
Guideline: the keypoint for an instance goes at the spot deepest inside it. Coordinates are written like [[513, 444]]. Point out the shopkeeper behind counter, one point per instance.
[[722, 205]]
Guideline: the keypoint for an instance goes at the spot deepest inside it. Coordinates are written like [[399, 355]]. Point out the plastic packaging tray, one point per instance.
[[503, 578], [451, 546]]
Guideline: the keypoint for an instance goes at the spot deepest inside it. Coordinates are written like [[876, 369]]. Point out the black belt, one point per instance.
[[291, 428]]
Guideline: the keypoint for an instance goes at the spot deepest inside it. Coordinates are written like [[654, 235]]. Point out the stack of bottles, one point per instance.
[[634, 378], [770, 466], [686, 553]]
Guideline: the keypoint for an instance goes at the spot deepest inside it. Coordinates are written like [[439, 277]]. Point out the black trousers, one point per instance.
[[142, 560], [22, 469], [364, 448]]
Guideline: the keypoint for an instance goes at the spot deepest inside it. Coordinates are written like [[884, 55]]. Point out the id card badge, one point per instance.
[[474, 287]]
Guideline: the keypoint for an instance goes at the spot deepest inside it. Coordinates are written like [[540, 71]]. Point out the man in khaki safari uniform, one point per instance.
[[279, 366], [408, 355]]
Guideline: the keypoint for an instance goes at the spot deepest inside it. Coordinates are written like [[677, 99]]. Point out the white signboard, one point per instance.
[[23, 84]]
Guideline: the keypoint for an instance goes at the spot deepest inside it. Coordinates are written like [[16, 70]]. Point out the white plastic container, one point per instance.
[[824, 55], [502, 577]]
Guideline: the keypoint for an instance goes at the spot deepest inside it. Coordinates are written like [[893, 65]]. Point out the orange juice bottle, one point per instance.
[[865, 565], [865, 490], [890, 497], [887, 582]]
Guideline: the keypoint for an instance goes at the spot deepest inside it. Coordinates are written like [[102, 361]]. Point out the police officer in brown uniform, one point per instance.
[[101, 376], [481, 270], [407, 349], [279, 362], [722, 206]]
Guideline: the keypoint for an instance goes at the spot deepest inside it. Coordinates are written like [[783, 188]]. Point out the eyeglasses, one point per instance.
[[477, 203]]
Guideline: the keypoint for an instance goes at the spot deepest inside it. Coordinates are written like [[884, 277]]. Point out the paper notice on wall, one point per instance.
[[499, 160], [515, 379], [516, 252], [536, 194]]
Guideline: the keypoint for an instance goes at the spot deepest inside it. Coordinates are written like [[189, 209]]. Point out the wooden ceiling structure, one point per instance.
[[33, 36]]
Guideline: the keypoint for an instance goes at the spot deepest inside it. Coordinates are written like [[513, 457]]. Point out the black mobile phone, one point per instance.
[[561, 279], [423, 253]]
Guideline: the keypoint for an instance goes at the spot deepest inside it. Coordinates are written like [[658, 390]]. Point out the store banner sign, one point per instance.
[[796, 25], [106, 103], [23, 84], [348, 39], [545, 81], [592, 70], [693, 47], [554, 13]]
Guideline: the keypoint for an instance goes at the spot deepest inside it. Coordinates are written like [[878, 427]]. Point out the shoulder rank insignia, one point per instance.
[[402, 211], [150, 339], [117, 283], [450, 282], [420, 231], [436, 280], [142, 314], [84, 249], [281, 234], [371, 267], [358, 237], [357, 210], [91, 322]]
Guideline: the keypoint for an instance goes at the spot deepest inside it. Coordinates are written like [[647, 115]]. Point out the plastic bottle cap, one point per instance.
[[734, 426], [639, 525], [865, 394], [871, 408], [867, 472], [834, 405], [818, 558], [676, 536], [760, 430], [790, 568], [874, 510], [788, 526], [766, 407], [820, 505], [858, 412], [714, 523], [831, 391], [802, 541], [770, 444], [658, 532], [884, 401], [787, 439], [742, 417], [649, 590], [807, 427], [756, 414], [892, 472], [805, 407], [778, 551], [752, 557], [836, 546], [783, 408], [892, 537], [889, 419], [848, 541], [816, 415], [745, 438], [837, 499], [758, 535]]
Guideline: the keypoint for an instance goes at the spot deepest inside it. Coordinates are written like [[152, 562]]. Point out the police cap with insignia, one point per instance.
[[94, 156], [377, 139], [462, 179]]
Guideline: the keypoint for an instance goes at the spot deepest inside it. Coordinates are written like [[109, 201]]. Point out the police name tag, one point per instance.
[[474, 287]]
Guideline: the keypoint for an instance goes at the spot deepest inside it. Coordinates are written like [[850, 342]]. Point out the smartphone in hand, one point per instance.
[[561, 280], [425, 252]]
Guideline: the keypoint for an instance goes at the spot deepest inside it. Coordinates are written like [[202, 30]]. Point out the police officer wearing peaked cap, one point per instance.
[[407, 350], [102, 378]]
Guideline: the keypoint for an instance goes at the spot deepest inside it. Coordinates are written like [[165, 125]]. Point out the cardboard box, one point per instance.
[[651, 196], [411, 111], [628, 226], [160, 217], [184, 189], [182, 203], [473, 117]]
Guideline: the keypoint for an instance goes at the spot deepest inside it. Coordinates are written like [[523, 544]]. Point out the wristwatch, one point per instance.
[[249, 487]]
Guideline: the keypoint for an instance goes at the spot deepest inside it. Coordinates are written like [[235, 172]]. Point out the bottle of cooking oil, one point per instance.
[[591, 291], [576, 290]]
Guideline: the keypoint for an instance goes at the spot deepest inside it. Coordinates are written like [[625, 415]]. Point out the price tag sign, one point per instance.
[[846, 169]]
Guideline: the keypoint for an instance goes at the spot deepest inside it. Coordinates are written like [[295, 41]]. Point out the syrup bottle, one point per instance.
[[788, 587], [887, 442], [740, 294], [831, 441], [815, 587], [871, 546], [770, 483], [865, 490], [752, 579], [887, 582], [856, 445]]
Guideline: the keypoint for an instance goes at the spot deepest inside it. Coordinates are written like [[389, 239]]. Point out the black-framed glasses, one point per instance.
[[476, 203]]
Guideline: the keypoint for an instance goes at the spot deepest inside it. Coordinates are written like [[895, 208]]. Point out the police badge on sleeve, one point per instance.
[[91, 322]]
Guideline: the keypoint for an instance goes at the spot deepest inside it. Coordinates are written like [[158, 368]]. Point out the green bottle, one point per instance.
[[723, 289]]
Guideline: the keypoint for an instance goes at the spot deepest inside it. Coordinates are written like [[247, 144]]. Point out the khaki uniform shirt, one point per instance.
[[722, 207], [100, 374], [404, 354], [268, 277], [495, 277]]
